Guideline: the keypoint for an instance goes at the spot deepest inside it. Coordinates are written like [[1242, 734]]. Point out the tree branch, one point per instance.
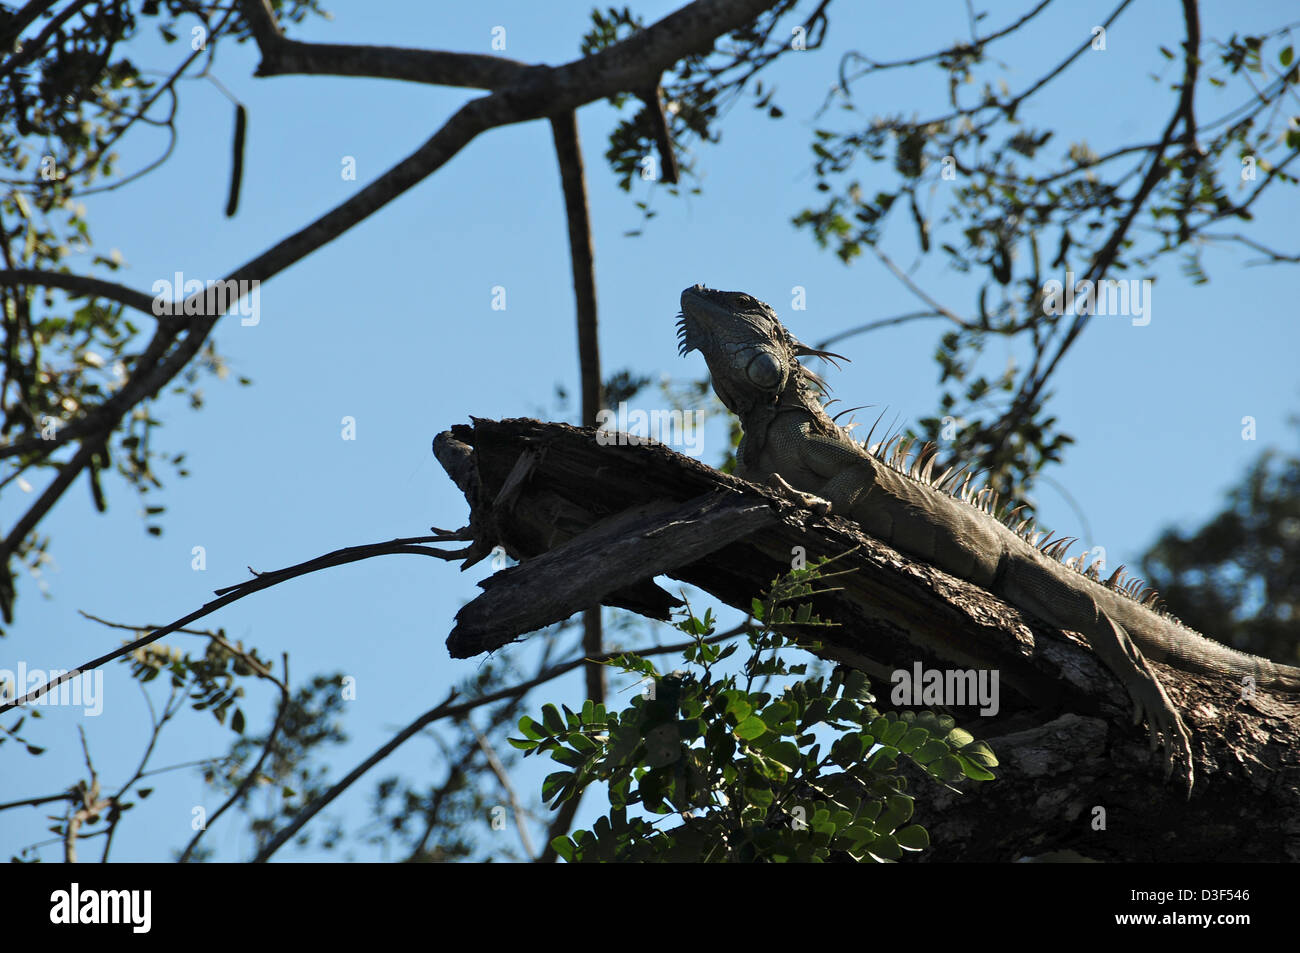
[[626, 66], [1105, 256], [234, 593]]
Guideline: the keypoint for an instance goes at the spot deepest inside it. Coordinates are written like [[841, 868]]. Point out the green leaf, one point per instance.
[[930, 751], [912, 837], [750, 728], [972, 769], [738, 705], [959, 738], [781, 751], [564, 848], [554, 721], [883, 758], [912, 740], [951, 767], [776, 714], [847, 749], [886, 848], [893, 734], [981, 753], [568, 757], [898, 808], [555, 785]]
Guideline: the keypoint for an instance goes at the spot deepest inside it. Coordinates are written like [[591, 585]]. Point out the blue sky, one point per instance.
[[392, 325]]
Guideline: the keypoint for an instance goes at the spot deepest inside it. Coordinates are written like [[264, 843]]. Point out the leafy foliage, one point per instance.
[[810, 774], [209, 678], [996, 195], [694, 97]]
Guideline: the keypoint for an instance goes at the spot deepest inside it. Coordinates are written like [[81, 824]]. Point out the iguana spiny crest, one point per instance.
[[762, 362]]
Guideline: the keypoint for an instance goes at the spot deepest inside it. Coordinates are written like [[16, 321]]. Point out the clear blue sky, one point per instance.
[[392, 325]]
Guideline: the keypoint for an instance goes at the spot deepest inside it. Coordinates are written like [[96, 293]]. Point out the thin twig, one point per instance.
[[919, 291], [499, 769], [233, 594], [447, 710]]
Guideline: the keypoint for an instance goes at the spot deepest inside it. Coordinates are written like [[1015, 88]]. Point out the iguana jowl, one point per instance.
[[792, 444]]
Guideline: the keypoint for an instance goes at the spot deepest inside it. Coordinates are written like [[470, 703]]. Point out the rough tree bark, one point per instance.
[[593, 524]]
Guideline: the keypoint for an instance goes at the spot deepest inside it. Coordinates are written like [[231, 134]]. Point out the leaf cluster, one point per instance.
[[809, 774]]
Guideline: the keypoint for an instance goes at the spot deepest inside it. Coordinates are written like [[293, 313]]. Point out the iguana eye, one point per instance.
[[765, 371]]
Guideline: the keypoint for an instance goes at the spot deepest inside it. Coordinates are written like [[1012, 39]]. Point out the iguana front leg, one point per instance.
[[1036, 588], [815, 503], [839, 470]]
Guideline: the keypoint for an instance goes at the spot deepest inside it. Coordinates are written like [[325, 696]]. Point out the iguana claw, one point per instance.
[[815, 503], [1167, 729]]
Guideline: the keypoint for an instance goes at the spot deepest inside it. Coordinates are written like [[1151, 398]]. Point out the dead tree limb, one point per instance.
[[593, 521]]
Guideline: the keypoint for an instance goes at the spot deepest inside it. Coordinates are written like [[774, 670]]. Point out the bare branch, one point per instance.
[[1157, 170], [976, 45], [174, 703], [568, 152], [1273, 256], [920, 292], [654, 104], [499, 769], [282, 57], [231, 594], [876, 325], [80, 286]]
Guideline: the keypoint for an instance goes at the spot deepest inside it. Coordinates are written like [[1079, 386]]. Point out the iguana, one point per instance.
[[793, 445]]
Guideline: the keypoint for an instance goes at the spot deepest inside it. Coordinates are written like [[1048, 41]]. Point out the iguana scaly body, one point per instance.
[[792, 444]]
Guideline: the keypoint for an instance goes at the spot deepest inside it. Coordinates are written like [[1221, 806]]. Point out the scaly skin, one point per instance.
[[792, 444]]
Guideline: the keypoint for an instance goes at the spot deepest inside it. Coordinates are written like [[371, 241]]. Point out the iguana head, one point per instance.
[[751, 356]]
